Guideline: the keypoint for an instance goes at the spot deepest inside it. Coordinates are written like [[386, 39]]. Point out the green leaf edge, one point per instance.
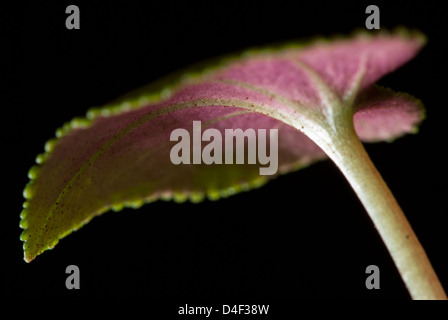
[[161, 90]]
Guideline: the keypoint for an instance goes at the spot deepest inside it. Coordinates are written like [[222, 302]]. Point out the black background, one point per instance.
[[302, 236]]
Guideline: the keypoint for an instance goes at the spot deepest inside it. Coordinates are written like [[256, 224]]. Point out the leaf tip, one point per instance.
[[26, 257], [24, 236]]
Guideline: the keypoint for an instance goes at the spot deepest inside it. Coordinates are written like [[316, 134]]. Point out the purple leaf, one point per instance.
[[120, 155]]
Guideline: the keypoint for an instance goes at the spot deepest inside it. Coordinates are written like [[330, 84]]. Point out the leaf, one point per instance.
[[119, 156]]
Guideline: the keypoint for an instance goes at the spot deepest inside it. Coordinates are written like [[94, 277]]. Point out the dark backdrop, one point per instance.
[[302, 236]]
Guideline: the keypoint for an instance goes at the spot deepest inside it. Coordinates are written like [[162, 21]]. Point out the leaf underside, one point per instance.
[[119, 155]]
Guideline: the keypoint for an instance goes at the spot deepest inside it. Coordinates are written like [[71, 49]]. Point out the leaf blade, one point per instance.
[[70, 188]]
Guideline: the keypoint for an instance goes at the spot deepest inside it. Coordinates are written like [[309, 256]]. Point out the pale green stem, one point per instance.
[[331, 127], [349, 155]]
